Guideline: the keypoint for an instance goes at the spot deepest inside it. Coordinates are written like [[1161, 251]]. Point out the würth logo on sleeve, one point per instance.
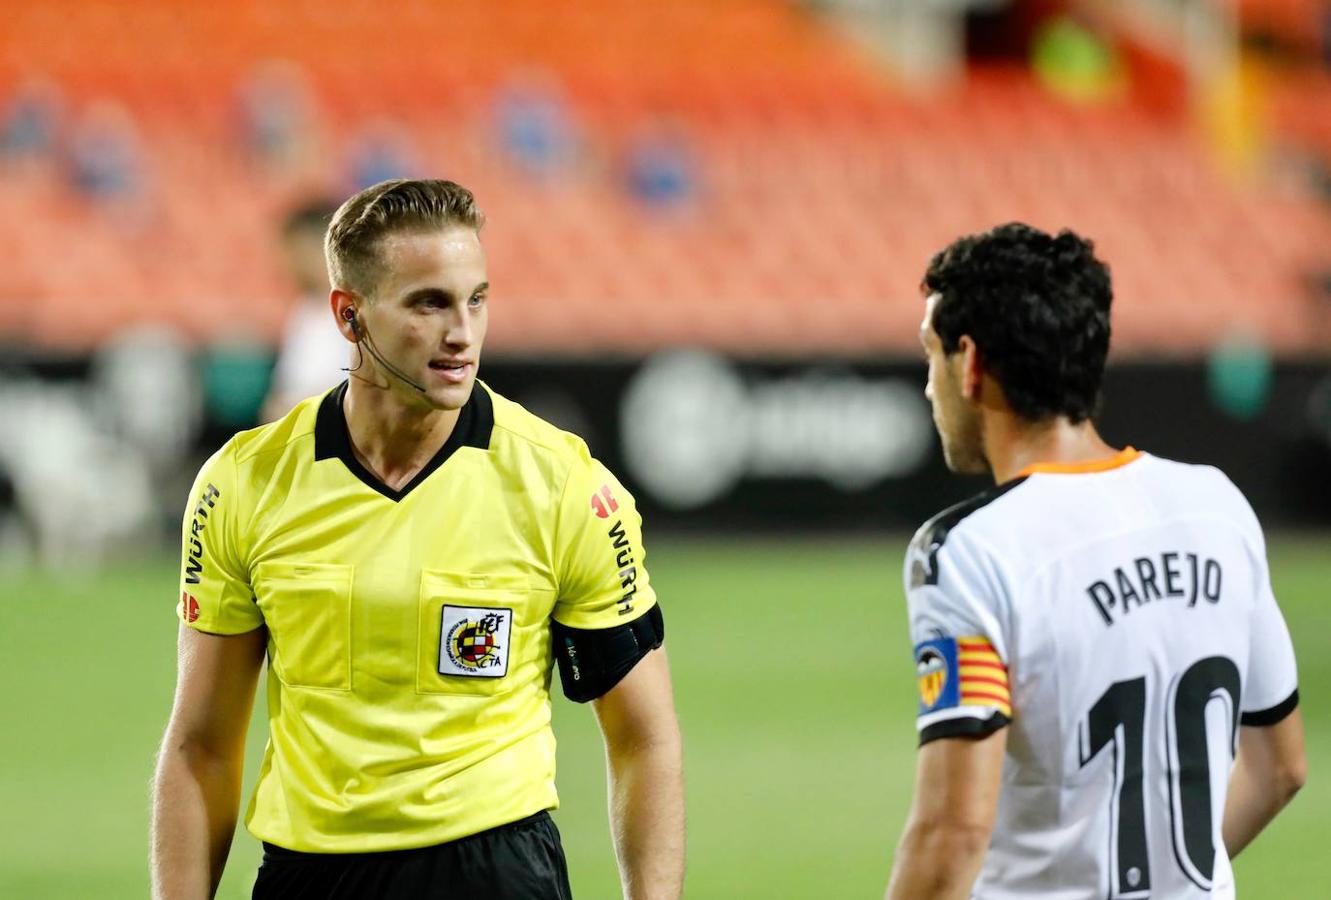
[[189, 607], [604, 503], [194, 555], [628, 569]]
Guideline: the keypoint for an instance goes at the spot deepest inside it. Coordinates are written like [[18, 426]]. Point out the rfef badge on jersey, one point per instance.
[[936, 674], [474, 641]]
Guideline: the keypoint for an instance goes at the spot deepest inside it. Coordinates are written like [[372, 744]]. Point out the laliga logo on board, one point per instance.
[[694, 426]]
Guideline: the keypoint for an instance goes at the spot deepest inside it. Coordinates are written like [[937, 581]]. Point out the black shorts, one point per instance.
[[523, 860]]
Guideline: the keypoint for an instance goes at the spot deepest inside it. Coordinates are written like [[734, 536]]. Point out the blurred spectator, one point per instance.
[[661, 167], [313, 351], [147, 396], [105, 158], [1240, 373], [30, 121], [236, 373], [80, 492], [277, 114], [1235, 108], [1075, 61], [384, 151], [534, 124]]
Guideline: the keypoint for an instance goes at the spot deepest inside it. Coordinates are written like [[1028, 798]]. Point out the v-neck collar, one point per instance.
[[331, 440]]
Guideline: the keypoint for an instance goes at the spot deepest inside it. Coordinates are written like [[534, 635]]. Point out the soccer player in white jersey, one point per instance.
[[1095, 637]]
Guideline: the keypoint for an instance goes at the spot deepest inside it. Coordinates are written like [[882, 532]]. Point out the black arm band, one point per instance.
[[592, 661], [963, 727]]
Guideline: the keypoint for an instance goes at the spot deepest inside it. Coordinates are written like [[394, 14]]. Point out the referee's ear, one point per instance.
[[345, 312], [592, 661]]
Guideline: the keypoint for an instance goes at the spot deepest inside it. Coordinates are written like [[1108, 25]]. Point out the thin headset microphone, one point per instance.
[[363, 338]]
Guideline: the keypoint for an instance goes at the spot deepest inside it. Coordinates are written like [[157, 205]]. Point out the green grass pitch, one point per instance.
[[795, 693]]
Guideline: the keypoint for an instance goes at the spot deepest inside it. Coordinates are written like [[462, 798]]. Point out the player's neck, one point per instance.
[[1013, 444], [392, 439]]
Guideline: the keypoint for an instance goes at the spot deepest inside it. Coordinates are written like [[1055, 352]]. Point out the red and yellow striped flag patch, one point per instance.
[[982, 675]]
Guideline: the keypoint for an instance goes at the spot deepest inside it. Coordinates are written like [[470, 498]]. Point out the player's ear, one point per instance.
[[972, 367]]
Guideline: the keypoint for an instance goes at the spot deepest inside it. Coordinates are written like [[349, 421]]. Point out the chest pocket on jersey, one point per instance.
[[480, 635], [307, 607]]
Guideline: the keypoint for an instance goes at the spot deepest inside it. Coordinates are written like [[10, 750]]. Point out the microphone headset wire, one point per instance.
[[363, 337]]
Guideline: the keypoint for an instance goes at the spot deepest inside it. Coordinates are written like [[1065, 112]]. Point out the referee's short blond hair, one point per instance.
[[400, 205]]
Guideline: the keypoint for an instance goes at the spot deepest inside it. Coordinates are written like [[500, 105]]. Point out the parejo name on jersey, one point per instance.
[[1185, 577]]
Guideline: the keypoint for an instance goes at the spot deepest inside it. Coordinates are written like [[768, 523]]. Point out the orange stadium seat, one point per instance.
[[821, 189]]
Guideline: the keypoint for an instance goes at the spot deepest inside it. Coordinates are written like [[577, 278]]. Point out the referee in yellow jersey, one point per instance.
[[412, 553]]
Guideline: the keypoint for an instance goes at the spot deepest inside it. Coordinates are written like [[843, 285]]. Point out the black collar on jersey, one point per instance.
[[475, 422]]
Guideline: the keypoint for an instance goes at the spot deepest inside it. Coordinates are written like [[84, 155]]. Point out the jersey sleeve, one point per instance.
[[599, 554], [955, 597], [215, 594], [1271, 689]]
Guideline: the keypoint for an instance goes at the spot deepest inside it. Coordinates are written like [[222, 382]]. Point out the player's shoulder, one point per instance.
[[963, 517], [1202, 489], [276, 436], [515, 424], [961, 522], [1198, 475]]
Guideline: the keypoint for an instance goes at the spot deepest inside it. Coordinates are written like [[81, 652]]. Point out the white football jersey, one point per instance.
[[1118, 618]]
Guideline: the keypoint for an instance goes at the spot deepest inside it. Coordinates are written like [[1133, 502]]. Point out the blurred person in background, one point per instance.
[[105, 159], [278, 117], [382, 152], [412, 551], [1092, 635], [661, 169], [314, 355], [30, 121], [534, 125]]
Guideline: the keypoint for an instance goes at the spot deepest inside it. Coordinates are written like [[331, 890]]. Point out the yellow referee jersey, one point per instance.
[[408, 631]]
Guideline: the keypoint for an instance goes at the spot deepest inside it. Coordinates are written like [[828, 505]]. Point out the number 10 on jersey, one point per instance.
[[1118, 721]]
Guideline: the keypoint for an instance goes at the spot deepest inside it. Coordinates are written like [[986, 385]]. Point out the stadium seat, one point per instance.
[[822, 189]]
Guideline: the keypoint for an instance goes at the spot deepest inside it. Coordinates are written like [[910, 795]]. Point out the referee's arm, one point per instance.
[[608, 636], [645, 762], [196, 788]]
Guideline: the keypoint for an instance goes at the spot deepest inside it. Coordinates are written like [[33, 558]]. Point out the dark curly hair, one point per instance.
[[1037, 307]]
